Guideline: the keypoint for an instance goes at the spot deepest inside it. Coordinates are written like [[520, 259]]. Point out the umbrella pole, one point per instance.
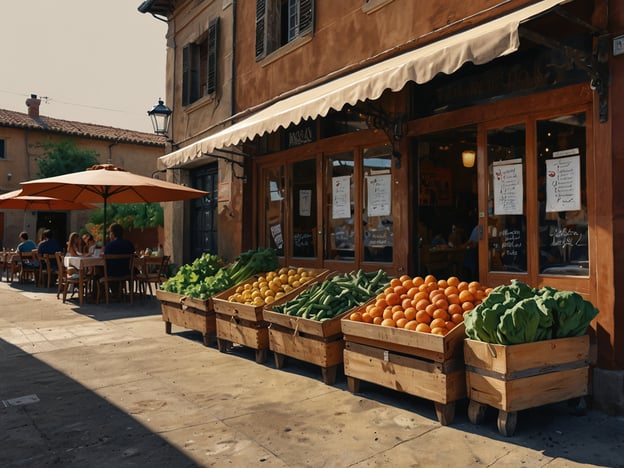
[[104, 227]]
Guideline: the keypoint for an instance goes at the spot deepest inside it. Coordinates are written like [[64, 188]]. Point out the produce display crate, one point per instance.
[[308, 340], [244, 324], [187, 312], [419, 364], [516, 377]]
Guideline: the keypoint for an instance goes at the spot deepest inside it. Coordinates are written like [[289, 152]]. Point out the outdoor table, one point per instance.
[[82, 264]]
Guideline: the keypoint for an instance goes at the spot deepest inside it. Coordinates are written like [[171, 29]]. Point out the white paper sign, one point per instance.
[[379, 190], [341, 197], [305, 202], [563, 184], [276, 232], [508, 189]]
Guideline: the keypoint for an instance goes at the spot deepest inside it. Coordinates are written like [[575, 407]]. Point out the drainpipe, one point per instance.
[[110, 151]]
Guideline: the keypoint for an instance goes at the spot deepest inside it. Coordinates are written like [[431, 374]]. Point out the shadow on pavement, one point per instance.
[[69, 425]]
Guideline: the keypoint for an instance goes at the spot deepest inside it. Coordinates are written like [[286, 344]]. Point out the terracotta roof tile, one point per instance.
[[15, 119]]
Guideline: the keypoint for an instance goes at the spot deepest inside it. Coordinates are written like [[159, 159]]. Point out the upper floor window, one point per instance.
[[199, 66], [279, 22], [2, 150]]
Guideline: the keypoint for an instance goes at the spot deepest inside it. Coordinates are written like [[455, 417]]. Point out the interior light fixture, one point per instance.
[[468, 158]]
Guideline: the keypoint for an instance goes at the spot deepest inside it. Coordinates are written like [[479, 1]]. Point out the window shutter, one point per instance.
[[213, 43], [195, 72], [306, 16], [261, 29], [186, 75]]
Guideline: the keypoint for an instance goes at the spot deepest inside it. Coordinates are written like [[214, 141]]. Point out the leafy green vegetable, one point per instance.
[[517, 313], [208, 276]]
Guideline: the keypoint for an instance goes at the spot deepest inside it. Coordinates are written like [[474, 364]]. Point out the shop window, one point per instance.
[[507, 233], [562, 196], [199, 66], [279, 22], [341, 207], [378, 232]]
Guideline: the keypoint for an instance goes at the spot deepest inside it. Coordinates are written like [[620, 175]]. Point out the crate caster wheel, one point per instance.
[[329, 374], [507, 422], [168, 328], [279, 360], [353, 384], [445, 412], [261, 355], [476, 412]]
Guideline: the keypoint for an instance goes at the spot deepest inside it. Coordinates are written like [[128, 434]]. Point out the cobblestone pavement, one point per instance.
[[104, 385]]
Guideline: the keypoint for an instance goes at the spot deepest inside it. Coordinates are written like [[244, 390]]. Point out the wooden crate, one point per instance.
[[187, 312], [516, 377], [318, 343], [420, 364], [244, 323]]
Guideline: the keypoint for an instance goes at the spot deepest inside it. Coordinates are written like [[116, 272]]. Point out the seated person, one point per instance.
[[89, 243], [75, 248], [118, 245], [75, 245], [25, 244], [49, 246]]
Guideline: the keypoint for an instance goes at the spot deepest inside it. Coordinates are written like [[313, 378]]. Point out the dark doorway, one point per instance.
[[54, 220], [204, 212]]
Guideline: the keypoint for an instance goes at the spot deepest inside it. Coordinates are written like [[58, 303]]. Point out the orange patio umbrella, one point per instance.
[[106, 183], [16, 201]]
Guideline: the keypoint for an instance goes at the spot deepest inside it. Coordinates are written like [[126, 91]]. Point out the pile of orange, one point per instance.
[[426, 304]]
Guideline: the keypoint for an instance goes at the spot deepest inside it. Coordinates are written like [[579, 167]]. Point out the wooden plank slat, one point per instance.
[[406, 341], [507, 360], [409, 375], [308, 349], [254, 335], [530, 392]]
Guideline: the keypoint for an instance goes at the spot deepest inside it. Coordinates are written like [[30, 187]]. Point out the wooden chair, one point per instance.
[[65, 280], [48, 270], [150, 271], [123, 283], [29, 267]]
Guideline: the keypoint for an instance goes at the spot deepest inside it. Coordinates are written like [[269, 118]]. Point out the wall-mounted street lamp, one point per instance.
[[160, 116]]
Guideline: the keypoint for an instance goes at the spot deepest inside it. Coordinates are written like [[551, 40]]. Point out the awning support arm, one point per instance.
[[596, 65]]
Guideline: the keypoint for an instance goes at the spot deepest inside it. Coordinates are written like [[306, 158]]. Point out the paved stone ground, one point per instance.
[[103, 385]]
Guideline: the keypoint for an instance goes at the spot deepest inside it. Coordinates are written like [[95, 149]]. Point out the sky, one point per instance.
[[90, 61]]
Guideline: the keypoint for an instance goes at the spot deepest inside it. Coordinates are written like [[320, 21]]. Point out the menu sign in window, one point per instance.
[[563, 182], [508, 188], [341, 197], [379, 195]]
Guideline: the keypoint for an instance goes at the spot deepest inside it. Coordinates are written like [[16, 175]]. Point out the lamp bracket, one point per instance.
[[392, 124]]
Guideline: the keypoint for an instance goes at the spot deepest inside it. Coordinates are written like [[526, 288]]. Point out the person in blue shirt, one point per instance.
[[118, 245], [49, 246], [25, 244]]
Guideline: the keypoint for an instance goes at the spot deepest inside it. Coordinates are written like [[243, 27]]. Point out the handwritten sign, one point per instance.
[[563, 184], [511, 242], [565, 237], [508, 189], [302, 239], [379, 194], [276, 233], [341, 197]]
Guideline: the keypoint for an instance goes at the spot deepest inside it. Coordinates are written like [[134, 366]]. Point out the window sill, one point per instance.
[[285, 50], [371, 6]]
